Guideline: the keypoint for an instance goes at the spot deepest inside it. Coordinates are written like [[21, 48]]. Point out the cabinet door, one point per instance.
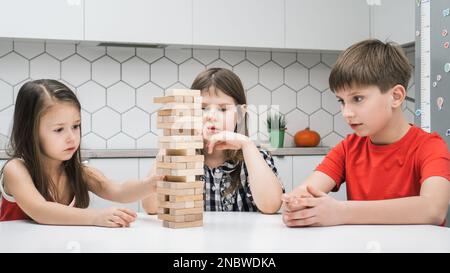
[[139, 21], [118, 170], [252, 23], [284, 168], [326, 24], [303, 166], [43, 19], [394, 21]]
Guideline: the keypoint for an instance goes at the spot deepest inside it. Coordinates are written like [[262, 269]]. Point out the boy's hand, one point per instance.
[[290, 200], [114, 217], [318, 210], [226, 140]]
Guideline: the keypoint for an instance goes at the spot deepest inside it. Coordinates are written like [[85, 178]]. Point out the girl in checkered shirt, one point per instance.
[[238, 176]]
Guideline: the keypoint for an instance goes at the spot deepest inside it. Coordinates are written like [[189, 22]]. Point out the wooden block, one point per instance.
[[180, 179], [178, 99], [176, 172], [189, 99], [185, 198], [180, 152], [180, 192], [180, 139], [199, 204], [167, 99], [183, 224], [182, 132], [183, 92], [181, 112], [194, 210], [176, 205], [187, 159], [168, 119], [163, 197], [182, 106], [181, 145], [199, 190], [183, 201], [179, 125], [179, 185], [193, 217], [194, 165], [170, 165], [181, 218]]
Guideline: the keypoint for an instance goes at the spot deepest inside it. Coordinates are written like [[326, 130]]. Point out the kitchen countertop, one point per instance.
[[140, 153], [223, 232]]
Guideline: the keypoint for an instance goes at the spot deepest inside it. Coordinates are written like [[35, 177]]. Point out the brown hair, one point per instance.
[[33, 100], [371, 62], [230, 84]]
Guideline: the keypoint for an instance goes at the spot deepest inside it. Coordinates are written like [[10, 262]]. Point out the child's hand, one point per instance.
[[291, 201], [152, 178], [318, 210], [114, 217], [226, 140], [152, 181]]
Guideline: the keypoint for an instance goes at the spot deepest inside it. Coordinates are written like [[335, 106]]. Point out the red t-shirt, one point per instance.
[[378, 172]]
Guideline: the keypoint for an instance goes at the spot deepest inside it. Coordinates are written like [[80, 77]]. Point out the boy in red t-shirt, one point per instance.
[[396, 173]]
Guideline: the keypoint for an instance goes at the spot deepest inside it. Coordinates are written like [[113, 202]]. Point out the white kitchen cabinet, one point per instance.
[[139, 21], [303, 166], [284, 168], [118, 170], [326, 24], [43, 19], [249, 23], [394, 21], [145, 165]]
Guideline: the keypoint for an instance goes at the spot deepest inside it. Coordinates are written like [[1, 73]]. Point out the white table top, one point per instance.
[[226, 232]]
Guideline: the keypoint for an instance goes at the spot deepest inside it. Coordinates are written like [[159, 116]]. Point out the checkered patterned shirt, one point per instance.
[[218, 180]]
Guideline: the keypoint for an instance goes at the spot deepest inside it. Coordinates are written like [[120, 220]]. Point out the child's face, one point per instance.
[[366, 109], [59, 131], [219, 112]]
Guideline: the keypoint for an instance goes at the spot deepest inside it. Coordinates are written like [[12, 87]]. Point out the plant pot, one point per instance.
[[277, 138]]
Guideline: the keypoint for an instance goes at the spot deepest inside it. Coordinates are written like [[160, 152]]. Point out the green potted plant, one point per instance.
[[276, 126]]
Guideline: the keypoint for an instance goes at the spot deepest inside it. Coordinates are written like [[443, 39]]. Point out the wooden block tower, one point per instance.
[[180, 196]]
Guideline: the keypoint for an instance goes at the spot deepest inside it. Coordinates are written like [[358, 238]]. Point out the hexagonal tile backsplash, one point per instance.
[[116, 86]]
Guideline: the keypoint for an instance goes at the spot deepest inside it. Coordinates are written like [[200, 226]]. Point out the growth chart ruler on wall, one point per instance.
[[433, 67]]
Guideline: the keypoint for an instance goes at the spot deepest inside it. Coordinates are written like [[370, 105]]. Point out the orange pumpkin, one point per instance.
[[307, 138]]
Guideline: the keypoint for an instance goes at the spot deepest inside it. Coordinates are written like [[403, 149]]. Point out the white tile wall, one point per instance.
[[117, 85]]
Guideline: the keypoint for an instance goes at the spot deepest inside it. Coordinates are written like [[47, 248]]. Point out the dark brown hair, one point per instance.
[[230, 84], [33, 100], [371, 62]]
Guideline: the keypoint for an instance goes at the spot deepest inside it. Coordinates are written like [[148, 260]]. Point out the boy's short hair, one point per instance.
[[371, 62]]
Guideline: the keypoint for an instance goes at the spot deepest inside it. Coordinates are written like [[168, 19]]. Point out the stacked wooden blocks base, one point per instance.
[[180, 195]]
